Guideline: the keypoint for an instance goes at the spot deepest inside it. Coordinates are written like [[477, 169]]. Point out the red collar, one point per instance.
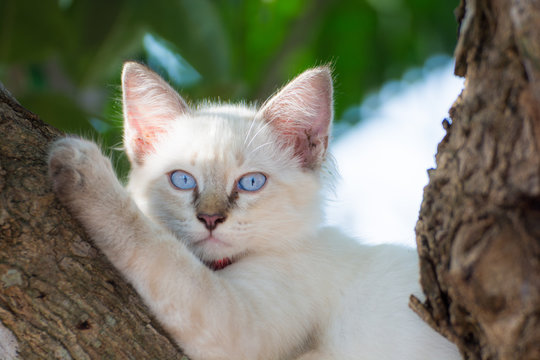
[[219, 264]]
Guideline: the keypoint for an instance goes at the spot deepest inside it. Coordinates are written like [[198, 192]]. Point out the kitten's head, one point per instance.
[[228, 180]]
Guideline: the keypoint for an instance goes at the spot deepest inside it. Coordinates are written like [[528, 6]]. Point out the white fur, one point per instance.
[[295, 290]]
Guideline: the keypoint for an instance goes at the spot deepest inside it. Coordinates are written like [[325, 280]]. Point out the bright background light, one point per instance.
[[383, 161]]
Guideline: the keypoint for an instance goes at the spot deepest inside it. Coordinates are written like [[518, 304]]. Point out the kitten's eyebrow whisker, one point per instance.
[[260, 146], [249, 130], [257, 133]]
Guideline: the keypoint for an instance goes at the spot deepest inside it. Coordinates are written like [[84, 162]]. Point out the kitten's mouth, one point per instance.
[[211, 240], [218, 264]]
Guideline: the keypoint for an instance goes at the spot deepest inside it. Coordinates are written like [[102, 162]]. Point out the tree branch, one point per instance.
[[59, 295]]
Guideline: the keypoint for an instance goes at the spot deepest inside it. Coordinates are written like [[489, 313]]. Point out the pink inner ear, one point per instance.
[[150, 105], [143, 130], [302, 113]]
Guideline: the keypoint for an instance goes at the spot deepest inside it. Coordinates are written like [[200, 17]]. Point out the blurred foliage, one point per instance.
[[62, 58]]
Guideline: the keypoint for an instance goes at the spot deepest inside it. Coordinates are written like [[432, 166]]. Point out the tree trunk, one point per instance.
[[478, 233], [59, 297]]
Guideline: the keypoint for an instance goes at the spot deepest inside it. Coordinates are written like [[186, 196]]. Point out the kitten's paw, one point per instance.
[[78, 170]]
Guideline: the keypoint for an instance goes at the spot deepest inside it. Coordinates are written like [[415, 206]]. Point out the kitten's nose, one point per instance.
[[211, 221]]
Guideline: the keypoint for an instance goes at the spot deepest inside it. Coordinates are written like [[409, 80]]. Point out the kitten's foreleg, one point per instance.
[[198, 308], [84, 181]]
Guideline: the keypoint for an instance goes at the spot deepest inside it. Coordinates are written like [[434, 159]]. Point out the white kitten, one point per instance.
[[219, 229]]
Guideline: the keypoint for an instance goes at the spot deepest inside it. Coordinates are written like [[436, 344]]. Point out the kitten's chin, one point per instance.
[[211, 240], [216, 253], [211, 248]]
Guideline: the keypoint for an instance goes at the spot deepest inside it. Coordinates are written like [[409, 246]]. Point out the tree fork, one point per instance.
[[478, 232]]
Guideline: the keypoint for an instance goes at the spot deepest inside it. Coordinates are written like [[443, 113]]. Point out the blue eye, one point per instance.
[[251, 182], [182, 180]]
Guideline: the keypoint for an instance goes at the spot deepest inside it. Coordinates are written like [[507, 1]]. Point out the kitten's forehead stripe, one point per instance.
[[193, 160], [240, 158]]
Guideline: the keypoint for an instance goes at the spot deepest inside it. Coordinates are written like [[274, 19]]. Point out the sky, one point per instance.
[[383, 161]]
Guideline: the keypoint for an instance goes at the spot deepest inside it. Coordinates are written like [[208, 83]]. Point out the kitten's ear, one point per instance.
[[301, 113], [149, 105]]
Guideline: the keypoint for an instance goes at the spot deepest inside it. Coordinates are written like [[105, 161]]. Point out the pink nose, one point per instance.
[[211, 221]]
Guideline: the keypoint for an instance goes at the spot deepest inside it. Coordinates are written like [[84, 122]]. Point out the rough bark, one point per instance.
[[478, 233], [59, 297]]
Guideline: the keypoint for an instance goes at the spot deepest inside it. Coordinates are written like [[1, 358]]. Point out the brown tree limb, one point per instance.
[[59, 296]]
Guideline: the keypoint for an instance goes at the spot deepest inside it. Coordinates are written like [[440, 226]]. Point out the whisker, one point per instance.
[[260, 146], [257, 133], [249, 130]]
